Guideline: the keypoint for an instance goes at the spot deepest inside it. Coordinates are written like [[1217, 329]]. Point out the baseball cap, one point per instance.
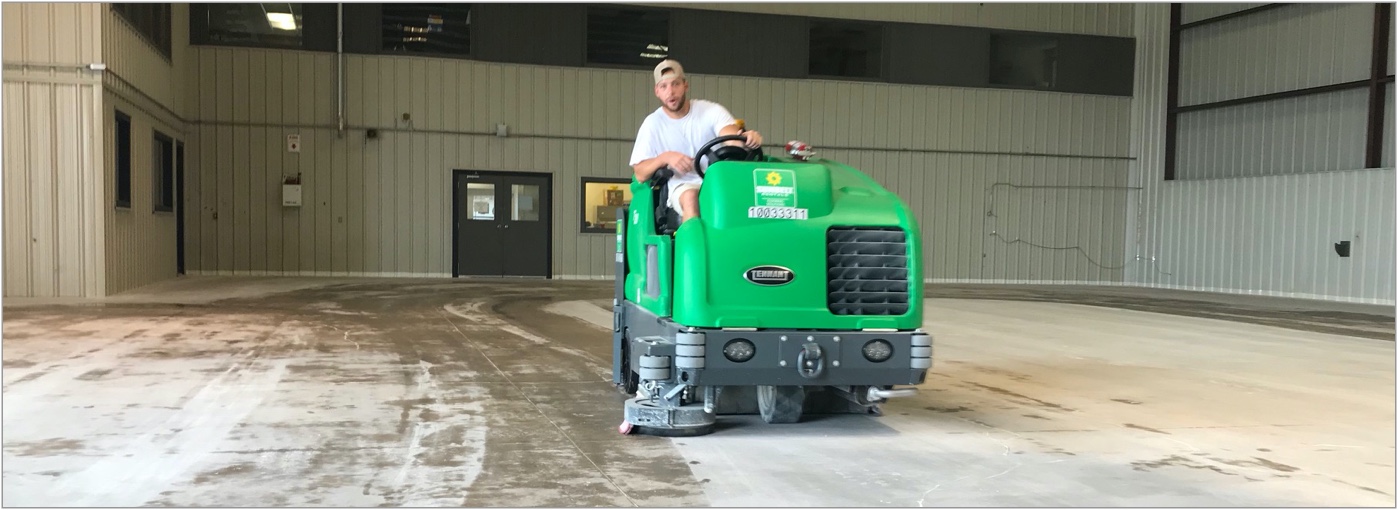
[[668, 65]]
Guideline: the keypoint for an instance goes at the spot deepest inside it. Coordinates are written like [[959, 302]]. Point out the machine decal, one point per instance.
[[775, 195], [769, 275]]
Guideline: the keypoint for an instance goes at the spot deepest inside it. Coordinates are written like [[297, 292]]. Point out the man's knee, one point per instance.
[[689, 203]]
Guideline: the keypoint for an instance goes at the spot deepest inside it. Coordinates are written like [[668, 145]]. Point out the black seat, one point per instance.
[[666, 219]]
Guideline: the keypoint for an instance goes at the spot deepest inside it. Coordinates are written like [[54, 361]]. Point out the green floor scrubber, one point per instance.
[[801, 277]]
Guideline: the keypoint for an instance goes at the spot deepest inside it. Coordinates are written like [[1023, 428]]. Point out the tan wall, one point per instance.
[[52, 211], [383, 206], [149, 87]]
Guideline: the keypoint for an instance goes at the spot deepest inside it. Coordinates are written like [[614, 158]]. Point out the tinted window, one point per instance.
[[443, 29], [150, 20], [629, 37], [279, 25], [846, 49], [123, 160], [163, 169], [1023, 60]]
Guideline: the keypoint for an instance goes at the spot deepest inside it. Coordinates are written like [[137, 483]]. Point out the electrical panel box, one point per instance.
[[291, 195]]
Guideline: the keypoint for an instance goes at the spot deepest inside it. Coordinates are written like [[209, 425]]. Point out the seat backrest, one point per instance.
[[666, 219]]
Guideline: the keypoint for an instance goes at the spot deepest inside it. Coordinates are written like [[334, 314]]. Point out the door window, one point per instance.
[[525, 198], [480, 197]]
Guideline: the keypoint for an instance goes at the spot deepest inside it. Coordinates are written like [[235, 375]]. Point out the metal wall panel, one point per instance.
[[140, 247], [52, 218], [151, 88], [138, 62], [1191, 12], [1311, 133], [383, 205], [1288, 48], [1076, 18], [1269, 235]]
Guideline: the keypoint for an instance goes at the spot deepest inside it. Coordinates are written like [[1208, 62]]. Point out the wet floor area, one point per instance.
[[221, 391]]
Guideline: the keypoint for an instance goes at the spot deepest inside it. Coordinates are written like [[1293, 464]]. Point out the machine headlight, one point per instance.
[[739, 350], [878, 351]]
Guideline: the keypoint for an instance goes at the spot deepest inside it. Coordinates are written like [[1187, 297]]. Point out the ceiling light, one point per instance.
[[282, 20]]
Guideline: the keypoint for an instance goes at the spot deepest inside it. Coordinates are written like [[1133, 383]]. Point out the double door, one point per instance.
[[502, 224]]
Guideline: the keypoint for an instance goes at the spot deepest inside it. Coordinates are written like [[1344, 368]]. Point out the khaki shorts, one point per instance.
[[679, 190]]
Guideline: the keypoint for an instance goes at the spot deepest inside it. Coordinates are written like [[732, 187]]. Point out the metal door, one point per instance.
[[502, 224]]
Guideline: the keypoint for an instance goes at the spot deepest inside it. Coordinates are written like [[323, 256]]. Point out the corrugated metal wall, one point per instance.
[[1288, 48], [383, 206], [1191, 12], [1293, 47], [144, 84], [1078, 18], [1287, 136], [52, 231], [1267, 235]]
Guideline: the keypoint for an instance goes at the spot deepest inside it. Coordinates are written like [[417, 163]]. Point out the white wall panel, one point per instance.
[[1388, 133], [1268, 235], [1288, 48], [1082, 18], [1311, 133], [1191, 12], [1275, 235]]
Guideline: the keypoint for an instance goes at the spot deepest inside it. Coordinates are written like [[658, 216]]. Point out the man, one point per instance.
[[671, 134]]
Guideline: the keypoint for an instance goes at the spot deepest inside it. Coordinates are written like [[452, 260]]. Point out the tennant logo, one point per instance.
[[769, 275]]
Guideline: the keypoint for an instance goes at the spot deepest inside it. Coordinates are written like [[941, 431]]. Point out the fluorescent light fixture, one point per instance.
[[282, 20]]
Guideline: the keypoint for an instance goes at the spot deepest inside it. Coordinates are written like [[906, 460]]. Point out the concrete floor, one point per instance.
[[359, 392]]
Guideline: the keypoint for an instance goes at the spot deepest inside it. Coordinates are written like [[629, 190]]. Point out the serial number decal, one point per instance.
[[778, 213]]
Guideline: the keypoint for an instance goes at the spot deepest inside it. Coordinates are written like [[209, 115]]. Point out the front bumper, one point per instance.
[[791, 357]]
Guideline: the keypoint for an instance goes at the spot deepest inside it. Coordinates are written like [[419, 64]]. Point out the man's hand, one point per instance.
[[754, 139], [678, 162]]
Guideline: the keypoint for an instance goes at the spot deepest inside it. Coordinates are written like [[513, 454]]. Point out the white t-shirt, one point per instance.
[[659, 133]]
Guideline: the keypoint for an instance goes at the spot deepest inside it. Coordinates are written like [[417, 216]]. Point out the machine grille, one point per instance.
[[867, 270]]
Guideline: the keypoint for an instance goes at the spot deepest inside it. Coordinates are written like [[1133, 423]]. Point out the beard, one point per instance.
[[684, 100]]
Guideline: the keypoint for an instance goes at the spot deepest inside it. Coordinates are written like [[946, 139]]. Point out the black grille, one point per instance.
[[867, 270]]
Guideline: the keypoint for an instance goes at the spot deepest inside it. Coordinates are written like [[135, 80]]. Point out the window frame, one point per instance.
[[121, 165], [582, 202], [162, 176]]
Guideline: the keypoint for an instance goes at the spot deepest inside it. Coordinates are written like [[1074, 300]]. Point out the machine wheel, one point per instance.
[[781, 404]]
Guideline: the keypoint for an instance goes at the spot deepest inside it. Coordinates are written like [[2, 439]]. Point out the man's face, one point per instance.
[[671, 93]]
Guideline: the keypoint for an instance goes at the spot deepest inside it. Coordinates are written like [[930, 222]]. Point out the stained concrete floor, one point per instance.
[[369, 392]]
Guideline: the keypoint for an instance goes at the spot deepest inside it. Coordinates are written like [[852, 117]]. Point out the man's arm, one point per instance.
[[646, 168], [754, 139]]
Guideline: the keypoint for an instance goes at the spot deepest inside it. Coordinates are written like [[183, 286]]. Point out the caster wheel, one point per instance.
[[624, 428]]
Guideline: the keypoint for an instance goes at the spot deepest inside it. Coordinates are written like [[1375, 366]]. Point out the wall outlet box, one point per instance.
[[291, 195]]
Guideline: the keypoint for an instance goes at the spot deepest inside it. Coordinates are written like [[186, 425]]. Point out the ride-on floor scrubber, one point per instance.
[[801, 277]]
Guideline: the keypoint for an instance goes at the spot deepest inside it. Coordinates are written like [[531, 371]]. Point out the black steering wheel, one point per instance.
[[725, 152]]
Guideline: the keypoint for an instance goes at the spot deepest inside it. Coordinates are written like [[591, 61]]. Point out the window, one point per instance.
[[627, 37], [1022, 60], [150, 20], [846, 50], [601, 199], [280, 25], [123, 160], [443, 29], [163, 171]]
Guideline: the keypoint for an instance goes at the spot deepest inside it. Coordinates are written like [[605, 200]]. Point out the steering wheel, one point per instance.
[[725, 152]]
